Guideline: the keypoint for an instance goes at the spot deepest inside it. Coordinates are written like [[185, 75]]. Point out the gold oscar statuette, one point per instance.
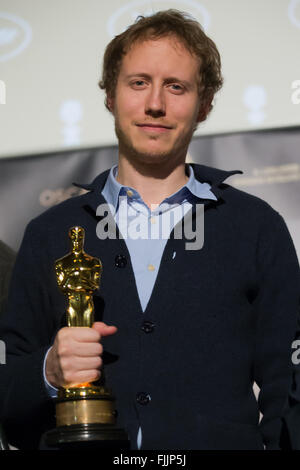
[[85, 413]]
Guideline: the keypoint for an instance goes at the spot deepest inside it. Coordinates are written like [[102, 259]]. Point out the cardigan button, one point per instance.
[[148, 326], [143, 398], [120, 261]]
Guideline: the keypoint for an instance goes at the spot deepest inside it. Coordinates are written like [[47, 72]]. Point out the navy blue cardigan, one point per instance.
[[222, 317]]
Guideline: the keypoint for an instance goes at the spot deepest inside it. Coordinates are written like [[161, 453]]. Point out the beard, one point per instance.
[[135, 155]]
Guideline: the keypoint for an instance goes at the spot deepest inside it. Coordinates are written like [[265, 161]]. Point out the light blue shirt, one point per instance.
[[146, 232], [131, 213]]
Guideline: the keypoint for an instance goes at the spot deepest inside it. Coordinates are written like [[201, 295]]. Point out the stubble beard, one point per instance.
[[130, 152]]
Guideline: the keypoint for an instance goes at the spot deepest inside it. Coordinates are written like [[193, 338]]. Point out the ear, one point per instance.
[[204, 109], [110, 104]]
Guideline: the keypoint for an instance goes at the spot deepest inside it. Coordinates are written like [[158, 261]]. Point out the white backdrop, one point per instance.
[[51, 54]]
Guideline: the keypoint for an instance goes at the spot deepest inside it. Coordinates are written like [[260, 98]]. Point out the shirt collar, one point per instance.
[[113, 189]]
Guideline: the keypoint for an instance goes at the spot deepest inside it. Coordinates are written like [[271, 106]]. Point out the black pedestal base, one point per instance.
[[87, 436]]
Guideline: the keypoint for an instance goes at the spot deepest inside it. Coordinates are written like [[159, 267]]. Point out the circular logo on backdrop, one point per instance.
[[128, 13], [71, 114], [294, 12], [15, 35], [255, 100]]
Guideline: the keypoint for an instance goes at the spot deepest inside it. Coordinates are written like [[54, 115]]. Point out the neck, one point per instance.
[[77, 248], [153, 182]]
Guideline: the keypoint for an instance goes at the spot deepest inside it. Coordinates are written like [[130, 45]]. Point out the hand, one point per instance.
[[75, 356]]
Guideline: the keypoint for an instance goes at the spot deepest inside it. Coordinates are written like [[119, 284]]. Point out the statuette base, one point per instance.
[[88, 436]]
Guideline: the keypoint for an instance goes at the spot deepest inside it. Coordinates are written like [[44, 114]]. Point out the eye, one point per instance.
[[177, 88], [138, 83]]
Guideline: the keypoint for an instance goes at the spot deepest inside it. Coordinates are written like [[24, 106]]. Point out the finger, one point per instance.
[[75, 364], [81, 334], [87, 363], [103, 329], [71, 380], [87, 349]]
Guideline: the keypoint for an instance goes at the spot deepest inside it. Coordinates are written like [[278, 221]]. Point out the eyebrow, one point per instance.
[[166, 80]]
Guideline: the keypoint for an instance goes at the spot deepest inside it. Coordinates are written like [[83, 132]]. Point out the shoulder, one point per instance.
[[256, 219], [62, 210], [240, 201], [47, 234], [59, 217], [234, 202]]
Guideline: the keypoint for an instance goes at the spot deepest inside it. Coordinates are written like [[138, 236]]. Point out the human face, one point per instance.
[[156, 104]]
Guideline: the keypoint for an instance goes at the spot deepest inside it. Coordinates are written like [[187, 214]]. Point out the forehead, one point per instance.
[[165, 55]]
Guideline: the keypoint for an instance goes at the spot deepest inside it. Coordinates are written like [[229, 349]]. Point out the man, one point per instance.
[[185, 332], [7, 259]]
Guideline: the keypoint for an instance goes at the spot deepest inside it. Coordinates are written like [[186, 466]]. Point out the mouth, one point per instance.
[[153, 127]]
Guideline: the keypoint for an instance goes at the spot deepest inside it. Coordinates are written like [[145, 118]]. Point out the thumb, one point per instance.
[[104, 329]]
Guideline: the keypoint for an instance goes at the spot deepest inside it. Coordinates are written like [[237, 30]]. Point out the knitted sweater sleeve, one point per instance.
[[276, 307], [27, 328]]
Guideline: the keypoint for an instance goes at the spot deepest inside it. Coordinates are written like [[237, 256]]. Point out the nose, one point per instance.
[[155, 103]]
